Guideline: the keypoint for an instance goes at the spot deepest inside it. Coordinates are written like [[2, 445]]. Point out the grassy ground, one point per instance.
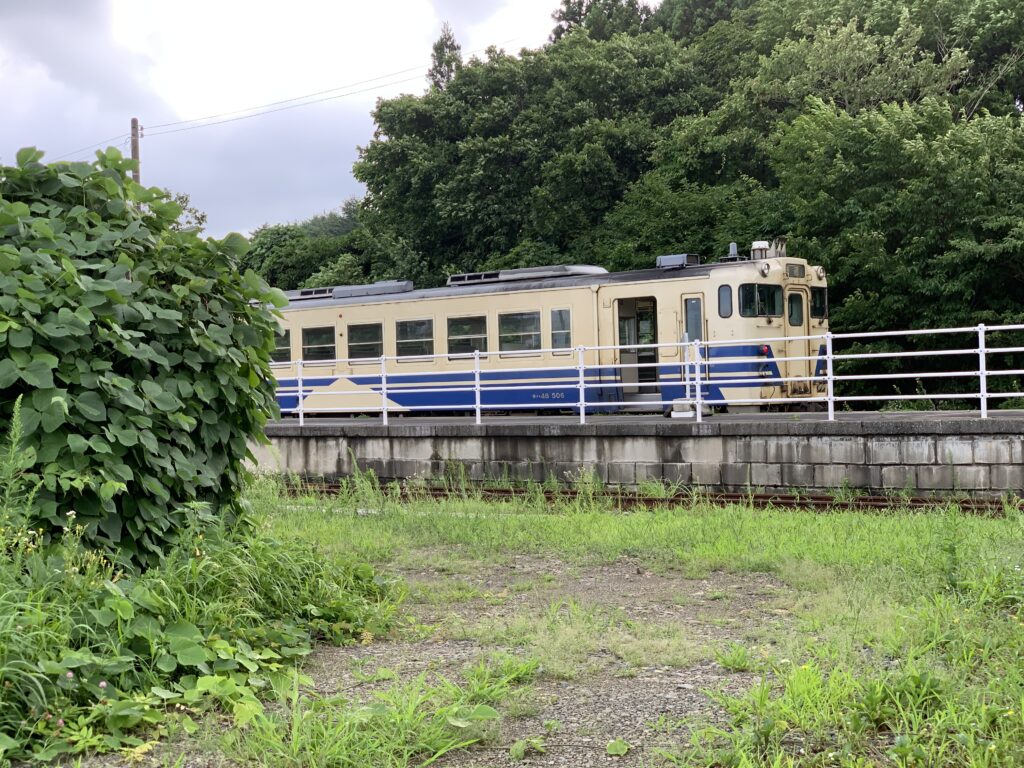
[[578, 636], [859, 639]]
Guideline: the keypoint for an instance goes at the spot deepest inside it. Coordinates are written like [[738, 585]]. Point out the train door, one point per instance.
[[694, 328], [636, 325], [798, 323]]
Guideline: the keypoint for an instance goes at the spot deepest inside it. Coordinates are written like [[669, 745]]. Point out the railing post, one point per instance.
[[581, 367], [982, 372], [830, 382], [476, 383], [384, 389], [298, 386], [699, 404]]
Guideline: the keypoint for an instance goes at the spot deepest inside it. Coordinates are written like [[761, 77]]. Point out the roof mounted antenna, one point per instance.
[[734, 254]]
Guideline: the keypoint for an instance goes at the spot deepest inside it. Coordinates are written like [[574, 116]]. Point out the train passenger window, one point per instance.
[[819, 303], [519, 331], [725, 301], [760, 300], [282, 347], [365, 341], [561, 329], [796, 309], [467, 335], [318, 343], [414, 337]]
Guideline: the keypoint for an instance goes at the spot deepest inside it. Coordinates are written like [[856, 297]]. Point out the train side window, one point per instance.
[[282, 347], [725, 301], [819, 303], [467, 335], [760, 300], [414, 338], [318, 343], [365, 341], [561, 329], [519, 331], [796, 309]]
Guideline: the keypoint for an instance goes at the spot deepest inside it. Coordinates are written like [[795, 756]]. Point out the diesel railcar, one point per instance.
[[511, 339]]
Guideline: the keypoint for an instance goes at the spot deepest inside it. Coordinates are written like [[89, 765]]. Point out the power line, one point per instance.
[[418, 68], [280, 109], [91, 146], [257, 111], [287, 101]]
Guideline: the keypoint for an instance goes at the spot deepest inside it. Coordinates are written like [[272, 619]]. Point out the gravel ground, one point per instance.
[[454, 608], [644, 705]]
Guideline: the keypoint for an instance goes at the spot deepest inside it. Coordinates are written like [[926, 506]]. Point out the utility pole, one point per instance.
[[135, 148]]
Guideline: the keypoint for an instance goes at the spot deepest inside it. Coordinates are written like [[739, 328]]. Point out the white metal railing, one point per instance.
[[699, 371]]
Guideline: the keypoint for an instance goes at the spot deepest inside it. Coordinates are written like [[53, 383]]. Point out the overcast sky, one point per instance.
[[73, 73]]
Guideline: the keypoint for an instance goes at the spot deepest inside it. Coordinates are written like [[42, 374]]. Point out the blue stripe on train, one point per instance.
[[759, 372]]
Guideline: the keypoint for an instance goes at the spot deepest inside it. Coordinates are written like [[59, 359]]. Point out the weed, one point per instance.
[[735, 658], [410, 724], [530, 745], [491, 680]]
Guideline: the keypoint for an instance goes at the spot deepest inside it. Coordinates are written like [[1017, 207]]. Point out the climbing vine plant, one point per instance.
[[141, 351]]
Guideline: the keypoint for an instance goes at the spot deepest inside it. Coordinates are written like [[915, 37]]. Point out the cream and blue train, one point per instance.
[[527, 326]]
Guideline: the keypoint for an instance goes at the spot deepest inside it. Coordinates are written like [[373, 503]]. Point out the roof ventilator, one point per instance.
[[678, 261], [526, 273], [380, 288]]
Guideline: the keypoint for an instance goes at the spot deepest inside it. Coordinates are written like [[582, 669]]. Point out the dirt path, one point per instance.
[[623, 653]]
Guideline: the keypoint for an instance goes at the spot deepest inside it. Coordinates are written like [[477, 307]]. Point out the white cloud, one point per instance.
[[212, 57], [514, 25]]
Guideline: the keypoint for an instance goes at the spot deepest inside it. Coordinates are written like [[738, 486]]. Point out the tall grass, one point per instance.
[[92, 653]]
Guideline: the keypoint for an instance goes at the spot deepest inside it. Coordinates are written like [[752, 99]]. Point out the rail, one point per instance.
[[689, 378]]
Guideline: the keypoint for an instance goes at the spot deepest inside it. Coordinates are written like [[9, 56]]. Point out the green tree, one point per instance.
[[918, 217], [445, 59], [345, 270], [602, 19], [141, 352]]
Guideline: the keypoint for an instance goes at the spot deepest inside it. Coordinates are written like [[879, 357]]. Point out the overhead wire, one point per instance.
[[287, 101], [150, 133], [278, 106], [98, 144]]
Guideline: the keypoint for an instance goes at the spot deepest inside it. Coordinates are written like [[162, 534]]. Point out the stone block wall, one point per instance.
[[873, 453]]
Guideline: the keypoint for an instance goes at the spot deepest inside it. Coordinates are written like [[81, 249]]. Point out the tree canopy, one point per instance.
[[884, 138]]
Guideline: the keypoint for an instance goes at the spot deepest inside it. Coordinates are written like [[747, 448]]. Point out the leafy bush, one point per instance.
[[141, 351], [90, 652]]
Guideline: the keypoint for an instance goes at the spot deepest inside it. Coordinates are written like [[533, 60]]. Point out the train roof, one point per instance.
[[564, 276]]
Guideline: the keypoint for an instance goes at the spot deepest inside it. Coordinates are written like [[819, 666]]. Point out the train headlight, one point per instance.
[[765, 268], [820, 272]]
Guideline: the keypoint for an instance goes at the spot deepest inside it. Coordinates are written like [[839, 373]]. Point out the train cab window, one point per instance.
[[414, 338], [760, 300], [365, 341], [725, 301], [519, 331], [561, 329], [318, 343], [282, 347], [467, 335], [796, 309], [819, 303]]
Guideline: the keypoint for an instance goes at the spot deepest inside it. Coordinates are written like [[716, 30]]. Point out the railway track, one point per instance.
[[626, 500]]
